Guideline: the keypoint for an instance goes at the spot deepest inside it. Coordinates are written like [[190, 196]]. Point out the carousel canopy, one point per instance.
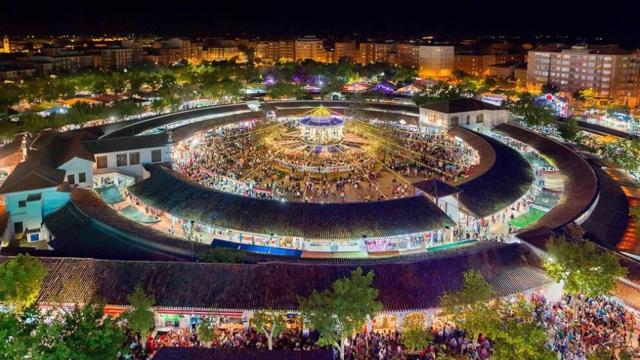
[[321, 116]]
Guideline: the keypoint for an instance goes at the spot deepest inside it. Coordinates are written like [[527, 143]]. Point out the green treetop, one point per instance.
[[509, 325], [342, 310], [270, 323], [20, 281], [140, 317], [207, 329], [531, 114], [583, 268]]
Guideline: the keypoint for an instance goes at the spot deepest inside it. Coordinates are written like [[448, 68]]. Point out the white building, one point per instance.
[[465, 112], [40, 184], [124, 158]]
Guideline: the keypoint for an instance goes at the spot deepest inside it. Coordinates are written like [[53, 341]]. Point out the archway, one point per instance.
[[385, 323], [414, 318]]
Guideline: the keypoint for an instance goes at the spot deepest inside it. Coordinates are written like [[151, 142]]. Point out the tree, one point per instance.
[[140, 317], [585, 96], [82, 333], [624, 152], [340, 311], [207, 329], [20, 281], [284, 90], [467, 306], [414, 336], [582, 267], [531, 114], [569, 130], [269, 322], [509, 325], [515, 333], [87, 334]]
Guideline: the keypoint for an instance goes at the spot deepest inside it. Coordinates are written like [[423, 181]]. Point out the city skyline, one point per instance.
[[199, 18]]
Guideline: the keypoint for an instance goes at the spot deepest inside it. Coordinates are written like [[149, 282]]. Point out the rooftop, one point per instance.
[[486, 194], [436, 188], [168, 191], [108, 145], [413, 285], [460, 105], [46, 153]]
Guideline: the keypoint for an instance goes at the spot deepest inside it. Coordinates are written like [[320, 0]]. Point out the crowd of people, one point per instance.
[[580, 326], [234, 158], [575, 327]]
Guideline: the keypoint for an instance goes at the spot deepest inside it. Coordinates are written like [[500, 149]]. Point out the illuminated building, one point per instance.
[[322, 127], [346, 49], [6, 45], [510, 70], [612, 73], [435, 61], [115, 58], [408, 55], [222, 53], [310, 48], [376, 52], [272, 51]]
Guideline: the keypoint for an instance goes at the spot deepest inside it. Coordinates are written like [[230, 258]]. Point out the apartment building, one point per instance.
[[408, 55], [65, 61], [377, 52], [613, 73], [435, 61], [223, 53], [346, 49], [115, 58], [311, 48], [272, 51]]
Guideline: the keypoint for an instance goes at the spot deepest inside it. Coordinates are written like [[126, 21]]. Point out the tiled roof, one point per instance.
[[138, 126], [508, 179], [11, 153], [509, 268], [47, 152], [176, 353], [581, 187], [454, 106], [436, 188], [107, 145], [168, 191], [87, 227]]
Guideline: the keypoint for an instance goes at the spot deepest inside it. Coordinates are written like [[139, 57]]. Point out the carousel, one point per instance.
[[322, 127]]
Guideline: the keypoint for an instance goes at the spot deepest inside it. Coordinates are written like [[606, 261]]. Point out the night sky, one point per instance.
[[613, 19]]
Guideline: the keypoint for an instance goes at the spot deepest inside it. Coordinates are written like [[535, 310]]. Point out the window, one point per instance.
[[156, 155], [134, 158], [71, 179], [82, 177], [101, 162], [479, 118], [454, 121], [468, 119], [121, 159], [18, 227], [22, 203]]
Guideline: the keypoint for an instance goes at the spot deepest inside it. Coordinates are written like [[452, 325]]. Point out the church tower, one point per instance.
[[6, 48]]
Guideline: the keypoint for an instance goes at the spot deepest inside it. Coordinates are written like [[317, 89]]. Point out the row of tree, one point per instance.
[[82, 332], [336, 313]]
